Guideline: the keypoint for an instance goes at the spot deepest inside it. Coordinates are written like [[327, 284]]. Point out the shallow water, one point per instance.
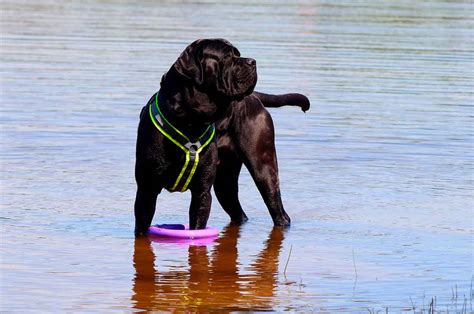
[[377, 176]]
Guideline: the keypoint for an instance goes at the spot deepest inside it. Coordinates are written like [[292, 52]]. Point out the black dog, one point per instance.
[[208, 94]]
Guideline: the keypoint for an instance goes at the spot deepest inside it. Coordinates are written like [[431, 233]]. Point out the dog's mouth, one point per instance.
[[244, 77], [253, 83], [245, 82]]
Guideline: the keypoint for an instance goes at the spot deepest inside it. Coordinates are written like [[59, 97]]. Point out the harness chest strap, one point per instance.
[[190, 149]]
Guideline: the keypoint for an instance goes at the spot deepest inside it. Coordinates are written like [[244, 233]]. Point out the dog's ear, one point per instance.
[[189, 63]]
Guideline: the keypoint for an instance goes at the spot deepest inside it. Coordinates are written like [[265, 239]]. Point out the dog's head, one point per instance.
[[215, 66]]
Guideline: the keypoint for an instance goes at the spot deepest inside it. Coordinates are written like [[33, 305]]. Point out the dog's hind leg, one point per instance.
[[226, 186], [265, 174], [257, 147]]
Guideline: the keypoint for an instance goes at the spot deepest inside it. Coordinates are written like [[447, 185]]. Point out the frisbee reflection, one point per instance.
[[212, 280]]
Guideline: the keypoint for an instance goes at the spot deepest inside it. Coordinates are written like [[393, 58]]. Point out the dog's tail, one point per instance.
[[272, 101]]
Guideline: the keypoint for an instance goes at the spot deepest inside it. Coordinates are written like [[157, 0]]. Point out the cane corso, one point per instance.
[[200, 127]]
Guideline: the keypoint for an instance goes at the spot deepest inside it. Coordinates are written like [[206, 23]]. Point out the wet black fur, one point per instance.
[[211, 83]]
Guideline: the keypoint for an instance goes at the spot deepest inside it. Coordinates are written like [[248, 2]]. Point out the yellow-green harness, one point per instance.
[[190, 149]]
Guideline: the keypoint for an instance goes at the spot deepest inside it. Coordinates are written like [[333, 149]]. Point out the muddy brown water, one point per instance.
[[377, 176]]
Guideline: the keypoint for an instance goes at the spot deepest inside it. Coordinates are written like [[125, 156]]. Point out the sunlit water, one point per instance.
[[377, 176]]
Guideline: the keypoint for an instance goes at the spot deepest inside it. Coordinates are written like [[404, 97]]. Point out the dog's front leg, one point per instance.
[[200, 208], [145, 203]]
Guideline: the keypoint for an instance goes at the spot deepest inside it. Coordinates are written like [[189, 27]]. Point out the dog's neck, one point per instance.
[[186, 107]]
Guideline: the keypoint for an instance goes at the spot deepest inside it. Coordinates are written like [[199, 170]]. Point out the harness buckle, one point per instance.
[[193, 147]]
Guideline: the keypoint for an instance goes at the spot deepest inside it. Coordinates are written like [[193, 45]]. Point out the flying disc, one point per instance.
[[181, 241], [179, 231]]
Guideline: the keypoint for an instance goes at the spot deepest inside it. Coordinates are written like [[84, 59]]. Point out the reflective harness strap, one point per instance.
[[190, 149]]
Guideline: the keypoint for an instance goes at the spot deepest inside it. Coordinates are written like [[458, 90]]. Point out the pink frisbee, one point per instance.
[[179, 231]]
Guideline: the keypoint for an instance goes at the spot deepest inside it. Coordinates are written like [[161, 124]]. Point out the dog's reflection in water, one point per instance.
[[211, 282]]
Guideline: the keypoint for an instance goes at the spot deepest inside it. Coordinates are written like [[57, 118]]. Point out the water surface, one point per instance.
[[377, 176]]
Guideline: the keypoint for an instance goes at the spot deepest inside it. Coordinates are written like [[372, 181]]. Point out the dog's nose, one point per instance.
[[251, 62]]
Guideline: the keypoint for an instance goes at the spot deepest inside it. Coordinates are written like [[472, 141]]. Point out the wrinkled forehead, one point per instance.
[[219, 47]]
